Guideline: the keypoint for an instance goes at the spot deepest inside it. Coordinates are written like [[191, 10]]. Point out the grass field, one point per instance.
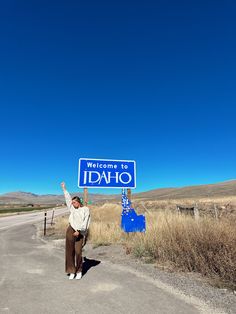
[[21, 209], [206, 246]]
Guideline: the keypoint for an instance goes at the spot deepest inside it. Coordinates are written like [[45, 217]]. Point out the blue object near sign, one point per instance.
[[106, 173], [130, 221]]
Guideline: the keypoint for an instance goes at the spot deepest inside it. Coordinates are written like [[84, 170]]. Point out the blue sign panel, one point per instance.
[[106, 173], [130, 220]]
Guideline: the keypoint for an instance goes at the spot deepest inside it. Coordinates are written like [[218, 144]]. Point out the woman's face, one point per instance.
[[76, 204]]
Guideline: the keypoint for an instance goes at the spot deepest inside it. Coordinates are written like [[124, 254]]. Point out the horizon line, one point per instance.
[[170, 187]]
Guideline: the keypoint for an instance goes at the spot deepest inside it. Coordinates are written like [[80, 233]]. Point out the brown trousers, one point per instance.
[[73, 251]]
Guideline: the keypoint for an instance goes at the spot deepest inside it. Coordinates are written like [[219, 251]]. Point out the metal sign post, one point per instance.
[[85, 200], [129, 194]]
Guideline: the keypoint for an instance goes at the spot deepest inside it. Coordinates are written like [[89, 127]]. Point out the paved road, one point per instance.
[[21, 219], [32, 280]]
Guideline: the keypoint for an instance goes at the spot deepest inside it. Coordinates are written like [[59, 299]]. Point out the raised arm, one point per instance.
[[67, 195]]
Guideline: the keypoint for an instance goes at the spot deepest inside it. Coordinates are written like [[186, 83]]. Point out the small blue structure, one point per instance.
[[130, 221]]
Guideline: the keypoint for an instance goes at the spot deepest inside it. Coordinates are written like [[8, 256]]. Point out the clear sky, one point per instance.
[[151, 81]]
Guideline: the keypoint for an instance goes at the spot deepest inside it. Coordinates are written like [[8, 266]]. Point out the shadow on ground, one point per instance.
[[88, 263]]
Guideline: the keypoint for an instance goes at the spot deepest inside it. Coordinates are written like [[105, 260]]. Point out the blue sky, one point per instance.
[[151, 81]]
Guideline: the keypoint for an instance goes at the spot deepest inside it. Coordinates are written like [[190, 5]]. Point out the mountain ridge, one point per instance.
[[221, 189]]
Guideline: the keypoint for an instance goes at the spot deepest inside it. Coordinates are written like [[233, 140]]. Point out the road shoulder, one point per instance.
[[189, 287]]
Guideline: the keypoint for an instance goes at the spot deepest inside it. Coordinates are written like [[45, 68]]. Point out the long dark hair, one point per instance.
[[76, 198]]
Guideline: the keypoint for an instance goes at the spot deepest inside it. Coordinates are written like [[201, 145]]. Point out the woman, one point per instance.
[[79, 220]]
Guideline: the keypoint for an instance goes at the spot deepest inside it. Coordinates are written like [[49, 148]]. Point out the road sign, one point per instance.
[[130, 220], [106, 173]]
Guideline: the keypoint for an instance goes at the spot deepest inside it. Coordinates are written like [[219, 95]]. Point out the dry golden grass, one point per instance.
[[226, 206], [104, 233], [104, 229], [106, 213], [105, 225], [61, 224], [207, 245]]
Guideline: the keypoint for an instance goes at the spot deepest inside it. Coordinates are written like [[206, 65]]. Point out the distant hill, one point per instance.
[[223, 189], [48, 199]]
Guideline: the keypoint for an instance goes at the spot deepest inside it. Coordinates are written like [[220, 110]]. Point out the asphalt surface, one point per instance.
[[35, 216], [32, 280]]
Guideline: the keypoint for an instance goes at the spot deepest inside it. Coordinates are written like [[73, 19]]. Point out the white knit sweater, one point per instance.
[[79, 218]]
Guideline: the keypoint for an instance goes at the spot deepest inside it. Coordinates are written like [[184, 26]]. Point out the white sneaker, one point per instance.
[[78, 276], [72, 276]]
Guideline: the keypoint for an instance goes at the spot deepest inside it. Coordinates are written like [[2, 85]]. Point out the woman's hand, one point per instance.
[[76, 233], [63, 186]]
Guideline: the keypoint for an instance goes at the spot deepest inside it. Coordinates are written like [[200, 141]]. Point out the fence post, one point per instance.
[[45, 223], [196, 211], [216, 212], [52, 217]]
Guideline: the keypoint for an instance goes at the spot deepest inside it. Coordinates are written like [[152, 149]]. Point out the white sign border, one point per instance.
[[106, 187]]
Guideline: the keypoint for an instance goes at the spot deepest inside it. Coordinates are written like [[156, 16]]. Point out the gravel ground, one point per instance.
[[187, 284]]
